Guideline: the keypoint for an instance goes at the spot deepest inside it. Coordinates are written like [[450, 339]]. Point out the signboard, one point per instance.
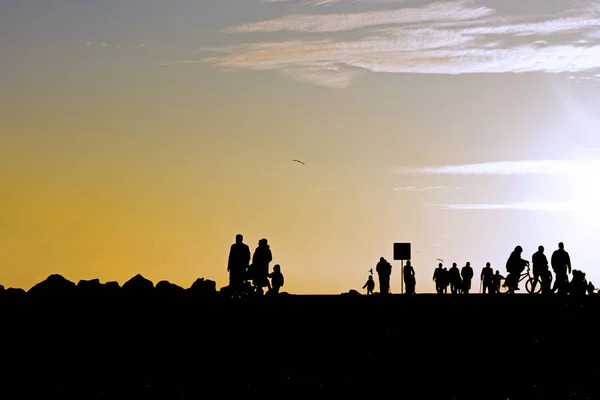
[[402, 251]]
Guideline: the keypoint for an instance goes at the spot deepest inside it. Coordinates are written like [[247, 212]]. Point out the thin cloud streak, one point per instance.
[[417, 189], [526, 206], [510, 168]]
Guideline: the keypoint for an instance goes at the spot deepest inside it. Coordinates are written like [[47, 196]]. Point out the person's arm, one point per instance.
[[568, 262]]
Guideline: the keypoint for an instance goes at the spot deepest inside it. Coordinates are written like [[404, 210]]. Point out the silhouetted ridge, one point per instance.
[[203, 287], [138, 284], [91, 285], [169, 289], [54, 285]]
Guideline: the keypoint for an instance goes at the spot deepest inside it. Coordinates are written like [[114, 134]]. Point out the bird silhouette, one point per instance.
[[371, 271], [439, 259], [298, 161]]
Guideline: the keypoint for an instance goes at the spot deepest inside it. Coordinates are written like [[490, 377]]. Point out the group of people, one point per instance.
[[560, 262], [384, 271], [459, 281], [242, 272]]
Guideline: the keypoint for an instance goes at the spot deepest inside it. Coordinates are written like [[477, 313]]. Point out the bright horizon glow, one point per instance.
[[142, 136]]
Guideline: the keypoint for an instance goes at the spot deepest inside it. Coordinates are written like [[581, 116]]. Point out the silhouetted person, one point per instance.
[[276, 278], [547, 282], [370, 285], [467, 277], [487, 278], [384, 270], [409, 278], [578, 284], [590, 288], [496, 281], [515, 266], [439, 279], [561, 264], [446, 279], [260, 265], [239, 260], [540, 267], [455, 280]]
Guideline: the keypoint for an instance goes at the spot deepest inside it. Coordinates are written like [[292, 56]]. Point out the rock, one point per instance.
[[168, 288], [138, 284], [112, 285], [53, 285], [203, 287], [93, 284]]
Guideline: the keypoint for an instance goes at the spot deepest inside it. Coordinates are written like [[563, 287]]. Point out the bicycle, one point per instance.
[[526, 276]]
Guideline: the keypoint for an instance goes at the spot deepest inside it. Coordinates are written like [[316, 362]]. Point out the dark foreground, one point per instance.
[[420, 347]]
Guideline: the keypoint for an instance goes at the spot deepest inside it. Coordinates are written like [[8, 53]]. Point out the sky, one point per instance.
[[142, 136]]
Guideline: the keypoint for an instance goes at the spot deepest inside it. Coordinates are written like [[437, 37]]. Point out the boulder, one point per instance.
[[138, 284], [54, 285]]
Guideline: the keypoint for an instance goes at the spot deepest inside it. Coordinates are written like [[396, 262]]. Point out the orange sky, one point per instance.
[[124, 150]]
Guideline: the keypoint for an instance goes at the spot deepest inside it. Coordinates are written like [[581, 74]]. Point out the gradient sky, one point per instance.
[[140, 136]]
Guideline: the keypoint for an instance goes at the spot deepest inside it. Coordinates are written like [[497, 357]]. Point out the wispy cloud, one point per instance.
[[454, 37], [331, 2], [509, 168], [528, 206], [313, 23], [417, 189]]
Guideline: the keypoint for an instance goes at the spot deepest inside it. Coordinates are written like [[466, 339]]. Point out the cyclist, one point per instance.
[[515, 266]]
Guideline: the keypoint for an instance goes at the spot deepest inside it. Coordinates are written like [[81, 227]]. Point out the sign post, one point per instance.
[[402, 253]]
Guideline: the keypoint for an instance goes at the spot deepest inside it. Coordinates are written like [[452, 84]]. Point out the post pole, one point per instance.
[[402, 277]]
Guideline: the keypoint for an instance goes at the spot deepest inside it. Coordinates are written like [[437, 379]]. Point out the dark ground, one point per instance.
[[419, 347]]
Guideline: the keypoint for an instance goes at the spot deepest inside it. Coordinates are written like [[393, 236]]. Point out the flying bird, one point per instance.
[[371, 271], [298, 161], [439, 259]]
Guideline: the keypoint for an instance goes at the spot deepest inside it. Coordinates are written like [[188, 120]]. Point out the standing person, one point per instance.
[[438, 278], [467, 276], [455, 280], [260, 265], [239, 260], [409, 278], [487, 278], [540, 268], [561, 264], [384, 270]]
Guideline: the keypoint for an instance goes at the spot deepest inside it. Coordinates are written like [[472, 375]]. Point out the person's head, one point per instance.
[[541, 249], [561, 246], [497, 272], [263, 242], [408, 263], [518, 250], [440, 265], [453, 265], [381, 259], [239, 238], [468, 264], [487, 264], [370, 277], [276, 268]]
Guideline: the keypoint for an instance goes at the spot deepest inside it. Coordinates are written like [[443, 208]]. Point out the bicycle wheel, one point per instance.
[[529, 286]]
